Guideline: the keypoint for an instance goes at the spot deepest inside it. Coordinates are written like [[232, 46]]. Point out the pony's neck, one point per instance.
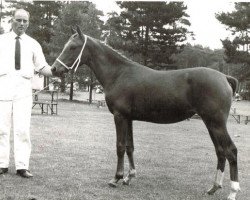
[[106, 63]]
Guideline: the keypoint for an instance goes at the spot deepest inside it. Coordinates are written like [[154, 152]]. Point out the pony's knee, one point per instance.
[[120, 150], [129, 150]]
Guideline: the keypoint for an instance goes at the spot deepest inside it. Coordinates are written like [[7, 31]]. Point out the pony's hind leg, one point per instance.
[[121, 124], [219, 177], [225, 148], [130, 152]]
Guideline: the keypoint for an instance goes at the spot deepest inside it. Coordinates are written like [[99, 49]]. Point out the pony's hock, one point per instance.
[[135, 92]]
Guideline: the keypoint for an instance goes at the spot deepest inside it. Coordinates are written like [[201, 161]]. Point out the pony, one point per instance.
[[136, 92]]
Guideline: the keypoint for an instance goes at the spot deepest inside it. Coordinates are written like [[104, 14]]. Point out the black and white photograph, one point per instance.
[[124, 100]]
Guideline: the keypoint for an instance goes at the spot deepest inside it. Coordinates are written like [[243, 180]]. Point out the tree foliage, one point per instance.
[[42, 17], [237, 49], [197, 56], [156, 30]]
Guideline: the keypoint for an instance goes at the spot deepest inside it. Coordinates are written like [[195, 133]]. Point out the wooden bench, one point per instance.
[[46, 104]]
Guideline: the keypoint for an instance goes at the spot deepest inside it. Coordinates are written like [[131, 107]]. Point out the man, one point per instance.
[[20, 55]]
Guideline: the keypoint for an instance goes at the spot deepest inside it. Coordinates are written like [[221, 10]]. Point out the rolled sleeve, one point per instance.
[[38, 58]]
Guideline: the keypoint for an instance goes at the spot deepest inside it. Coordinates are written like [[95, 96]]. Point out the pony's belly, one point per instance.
[[164, 118]]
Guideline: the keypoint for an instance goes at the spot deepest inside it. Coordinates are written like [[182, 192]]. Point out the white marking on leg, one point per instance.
[[219, 178], [235, 187]]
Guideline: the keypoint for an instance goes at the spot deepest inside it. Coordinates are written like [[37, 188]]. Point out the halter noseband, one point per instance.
[[78, 59]]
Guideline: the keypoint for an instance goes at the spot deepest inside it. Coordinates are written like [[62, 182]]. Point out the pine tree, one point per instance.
[[156, 30]]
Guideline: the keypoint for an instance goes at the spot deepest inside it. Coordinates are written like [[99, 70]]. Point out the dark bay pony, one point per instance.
[[136, 92]]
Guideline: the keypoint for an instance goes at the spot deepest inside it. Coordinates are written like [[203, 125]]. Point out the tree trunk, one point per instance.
[[62, 85], [91, 87], [145, 50], [71, 85]]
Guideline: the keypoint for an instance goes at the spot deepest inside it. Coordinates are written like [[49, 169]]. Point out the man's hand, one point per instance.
[[46, 71]]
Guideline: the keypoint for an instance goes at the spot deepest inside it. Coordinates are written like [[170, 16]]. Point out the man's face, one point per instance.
[[20, 22]]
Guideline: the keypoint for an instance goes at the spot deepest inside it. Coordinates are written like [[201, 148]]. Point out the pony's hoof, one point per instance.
[[126, 181], [232, 195], [113, 183], [213, 189]]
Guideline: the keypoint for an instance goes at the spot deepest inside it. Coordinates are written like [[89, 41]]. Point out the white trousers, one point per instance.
[[16, 112]]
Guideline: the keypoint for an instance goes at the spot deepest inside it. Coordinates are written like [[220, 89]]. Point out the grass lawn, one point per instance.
[[74, 157]]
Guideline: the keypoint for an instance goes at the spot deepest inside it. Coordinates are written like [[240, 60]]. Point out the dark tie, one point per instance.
[[17, 54]]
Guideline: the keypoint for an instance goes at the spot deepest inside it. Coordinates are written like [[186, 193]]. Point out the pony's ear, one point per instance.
[[79, 32], [72, 30]]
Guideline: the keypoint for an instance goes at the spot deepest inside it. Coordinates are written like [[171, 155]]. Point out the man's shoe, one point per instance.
[[3, 170], [24, 173]]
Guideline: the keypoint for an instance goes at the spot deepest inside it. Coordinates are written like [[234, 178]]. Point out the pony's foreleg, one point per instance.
[[130, 151], [121, 124]]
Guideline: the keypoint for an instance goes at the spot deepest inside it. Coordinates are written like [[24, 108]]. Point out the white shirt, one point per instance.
[[32, 57], [15, 84]]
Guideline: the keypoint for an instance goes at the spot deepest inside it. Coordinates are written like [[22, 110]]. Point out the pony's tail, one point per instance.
[[233, 83]]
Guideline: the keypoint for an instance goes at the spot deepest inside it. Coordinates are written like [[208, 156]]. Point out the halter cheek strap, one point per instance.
[[62, 63], [78, 59]]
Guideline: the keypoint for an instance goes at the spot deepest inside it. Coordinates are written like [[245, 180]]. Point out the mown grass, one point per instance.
[[74, 157]]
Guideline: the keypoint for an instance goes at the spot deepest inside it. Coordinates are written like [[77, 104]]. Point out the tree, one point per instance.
[[1, 30], [155, 30], [198, 56], [237, 50], [85, 15]]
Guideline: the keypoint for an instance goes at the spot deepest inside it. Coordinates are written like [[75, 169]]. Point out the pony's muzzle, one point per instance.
[[54, 71]]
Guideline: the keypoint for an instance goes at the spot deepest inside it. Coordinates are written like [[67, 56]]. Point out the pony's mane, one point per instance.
[[116, 51]]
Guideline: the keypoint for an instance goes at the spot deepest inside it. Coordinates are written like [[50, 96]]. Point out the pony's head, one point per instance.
[[71, 55]]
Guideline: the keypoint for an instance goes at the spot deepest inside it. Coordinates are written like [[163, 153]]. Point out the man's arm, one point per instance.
[[41, 65]]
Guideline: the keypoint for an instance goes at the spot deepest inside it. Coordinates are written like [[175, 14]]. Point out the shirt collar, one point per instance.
[[14, 35]]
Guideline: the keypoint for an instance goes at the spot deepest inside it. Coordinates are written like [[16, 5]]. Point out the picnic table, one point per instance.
[[47, 100], [240, 115]]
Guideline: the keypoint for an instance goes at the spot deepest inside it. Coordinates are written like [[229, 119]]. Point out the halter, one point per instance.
[[78, 59]]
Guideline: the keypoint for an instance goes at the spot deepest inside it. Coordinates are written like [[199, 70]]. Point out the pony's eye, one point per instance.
[[72, 48]]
